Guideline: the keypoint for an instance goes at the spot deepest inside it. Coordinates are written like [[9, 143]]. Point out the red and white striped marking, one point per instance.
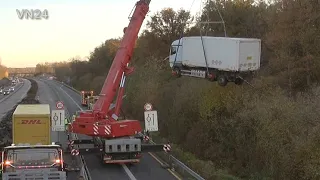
[[146, 138], [167, 147], [107, 129], [71, 142], [95, 129], [74, 152]]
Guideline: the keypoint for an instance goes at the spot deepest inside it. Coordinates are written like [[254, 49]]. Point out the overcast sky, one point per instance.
[[74, 27]]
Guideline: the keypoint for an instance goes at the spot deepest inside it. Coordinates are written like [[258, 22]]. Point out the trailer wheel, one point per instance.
[[222, 80], [238, 81]]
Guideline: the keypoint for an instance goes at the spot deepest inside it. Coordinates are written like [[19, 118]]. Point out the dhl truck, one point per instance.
[[32, 154], [84, 97]]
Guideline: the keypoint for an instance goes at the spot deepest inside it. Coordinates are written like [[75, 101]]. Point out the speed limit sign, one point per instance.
[[148, 107], [59, 105]]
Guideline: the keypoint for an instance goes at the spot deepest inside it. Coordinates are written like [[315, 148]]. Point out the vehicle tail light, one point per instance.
[[138, 155]]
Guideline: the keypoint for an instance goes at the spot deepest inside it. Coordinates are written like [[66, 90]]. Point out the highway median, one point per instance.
[[6, 122]]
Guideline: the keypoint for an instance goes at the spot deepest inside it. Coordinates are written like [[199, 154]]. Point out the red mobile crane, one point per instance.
[[117, 141]]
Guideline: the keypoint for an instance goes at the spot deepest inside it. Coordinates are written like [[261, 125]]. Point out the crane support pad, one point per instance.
[[152, 147], [83, 141]]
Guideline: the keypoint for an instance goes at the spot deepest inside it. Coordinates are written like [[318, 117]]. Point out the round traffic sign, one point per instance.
[[148, 107], [59, 105]]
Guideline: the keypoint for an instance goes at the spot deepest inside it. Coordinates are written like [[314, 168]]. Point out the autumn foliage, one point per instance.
[[269, 129]]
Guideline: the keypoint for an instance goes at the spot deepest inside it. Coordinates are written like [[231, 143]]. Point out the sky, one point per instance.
[[74, 27]]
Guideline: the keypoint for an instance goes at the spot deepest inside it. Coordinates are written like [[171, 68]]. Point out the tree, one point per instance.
[[102, 57], [162, 29]]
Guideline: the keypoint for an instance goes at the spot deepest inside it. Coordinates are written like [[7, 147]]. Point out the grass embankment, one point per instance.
[[6, 123]]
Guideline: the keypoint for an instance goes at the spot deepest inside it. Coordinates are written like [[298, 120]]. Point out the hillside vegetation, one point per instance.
[[269, 130]]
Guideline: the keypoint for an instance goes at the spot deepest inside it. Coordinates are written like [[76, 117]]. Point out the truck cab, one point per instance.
[[175, 53], [35, 162]]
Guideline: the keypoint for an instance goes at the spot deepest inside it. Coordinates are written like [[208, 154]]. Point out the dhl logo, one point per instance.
[[31, 122]]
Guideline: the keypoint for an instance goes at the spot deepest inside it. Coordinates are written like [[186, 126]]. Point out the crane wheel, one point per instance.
[[222, 80]]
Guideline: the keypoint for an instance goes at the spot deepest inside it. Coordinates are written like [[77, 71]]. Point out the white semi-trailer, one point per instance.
[[219, 59]]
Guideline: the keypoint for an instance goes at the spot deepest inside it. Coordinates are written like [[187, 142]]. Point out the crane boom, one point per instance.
[[102, 121], [122, 58]]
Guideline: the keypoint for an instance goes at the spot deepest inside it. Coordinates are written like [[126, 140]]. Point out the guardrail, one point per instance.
[[173, 163], [178, 166], [84, 172]]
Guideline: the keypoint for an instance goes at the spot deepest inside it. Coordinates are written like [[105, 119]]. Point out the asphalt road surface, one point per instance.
[[149, 167], [47, 95], [7, 102]]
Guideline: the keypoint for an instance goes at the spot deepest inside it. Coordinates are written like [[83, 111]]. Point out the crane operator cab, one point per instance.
[[34, 162], [91, 100], [84, 97]]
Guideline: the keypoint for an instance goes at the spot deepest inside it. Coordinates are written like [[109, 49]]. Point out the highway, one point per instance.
[[47, 95], [7, 102], [149, 168]]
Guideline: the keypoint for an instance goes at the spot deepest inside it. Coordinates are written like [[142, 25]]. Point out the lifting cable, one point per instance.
[[206, 31], [207, 28], [181, 35]]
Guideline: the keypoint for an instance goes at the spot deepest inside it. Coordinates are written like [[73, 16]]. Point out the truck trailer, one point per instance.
[[31, 125], [221, 59], [32, 155]]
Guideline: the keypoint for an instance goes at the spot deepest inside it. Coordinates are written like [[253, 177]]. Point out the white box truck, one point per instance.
[[219, 59]]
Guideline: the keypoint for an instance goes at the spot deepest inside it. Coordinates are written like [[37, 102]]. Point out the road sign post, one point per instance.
[[151, 120], [57, 120]]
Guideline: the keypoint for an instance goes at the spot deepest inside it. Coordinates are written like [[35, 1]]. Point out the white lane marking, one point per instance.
[[129, 173], [125, 168], [71, 99]]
